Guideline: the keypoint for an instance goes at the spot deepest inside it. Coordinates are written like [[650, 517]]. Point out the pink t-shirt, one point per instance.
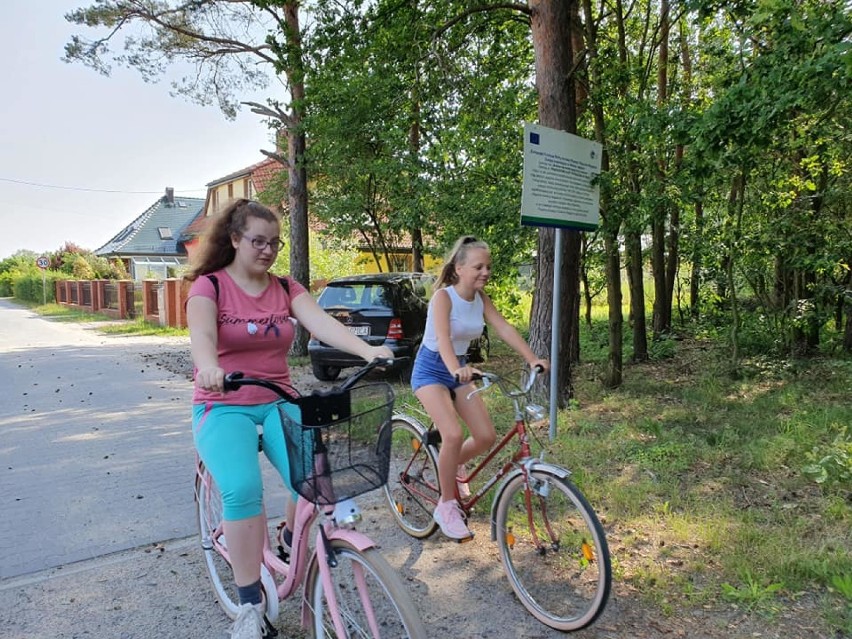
[[255, 335]]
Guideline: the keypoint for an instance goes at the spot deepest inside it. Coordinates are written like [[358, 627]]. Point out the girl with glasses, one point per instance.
[[241, 318]]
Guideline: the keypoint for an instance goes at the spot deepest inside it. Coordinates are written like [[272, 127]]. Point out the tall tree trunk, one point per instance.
[[297, 191], [584, 278], [697, 263], [417, 264], [615, 357], [660, 322], [635, 276], [611, 224], [847, 335], [662, 299], [672, 260], [552, 42], [736, 202]]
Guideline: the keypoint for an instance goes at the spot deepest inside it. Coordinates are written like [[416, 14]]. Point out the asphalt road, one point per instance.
[[96, 468]]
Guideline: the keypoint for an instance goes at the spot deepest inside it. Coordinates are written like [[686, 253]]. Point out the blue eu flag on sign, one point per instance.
[[534, 138]]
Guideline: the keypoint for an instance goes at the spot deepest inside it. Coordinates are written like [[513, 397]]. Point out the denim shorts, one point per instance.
[[429, 368]]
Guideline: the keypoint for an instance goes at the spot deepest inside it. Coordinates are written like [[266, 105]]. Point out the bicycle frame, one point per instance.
[[292, 574], [520, 458]]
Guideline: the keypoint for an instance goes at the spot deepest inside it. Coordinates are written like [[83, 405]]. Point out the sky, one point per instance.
[[113, 144]]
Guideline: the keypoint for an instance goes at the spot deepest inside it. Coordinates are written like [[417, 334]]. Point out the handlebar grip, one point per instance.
[[475, 377], [232, 381]]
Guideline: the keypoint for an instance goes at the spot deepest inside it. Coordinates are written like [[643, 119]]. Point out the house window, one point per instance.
[[165, 233], [230, 190], [246, 193]]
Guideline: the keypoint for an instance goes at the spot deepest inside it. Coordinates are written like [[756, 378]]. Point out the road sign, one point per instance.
[[43, 262]]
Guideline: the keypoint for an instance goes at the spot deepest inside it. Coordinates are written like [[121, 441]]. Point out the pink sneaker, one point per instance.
[[448, 516], [461, 482]]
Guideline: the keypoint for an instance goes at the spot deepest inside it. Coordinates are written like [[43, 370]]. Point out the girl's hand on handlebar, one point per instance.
[[381, 352], [211, 378], [466, 373], [543, 364]]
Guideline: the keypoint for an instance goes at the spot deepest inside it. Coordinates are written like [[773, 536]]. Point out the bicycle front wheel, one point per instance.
[[370, 597], [553, 549], [412, 489]]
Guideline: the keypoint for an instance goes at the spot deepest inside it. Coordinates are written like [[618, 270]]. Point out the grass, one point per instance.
[[715, 490], [61, 313]]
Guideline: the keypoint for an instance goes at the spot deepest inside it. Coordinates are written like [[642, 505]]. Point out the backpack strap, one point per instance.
[[215, 282]]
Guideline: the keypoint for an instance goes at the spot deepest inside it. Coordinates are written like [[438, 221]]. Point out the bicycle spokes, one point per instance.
[[553, 550]]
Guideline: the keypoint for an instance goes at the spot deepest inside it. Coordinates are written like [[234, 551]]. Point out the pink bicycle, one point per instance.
[[339, 450]]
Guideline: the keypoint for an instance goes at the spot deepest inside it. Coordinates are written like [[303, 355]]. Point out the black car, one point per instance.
[[382, 308]]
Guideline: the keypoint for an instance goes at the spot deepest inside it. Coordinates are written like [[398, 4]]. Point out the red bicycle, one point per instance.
[[552, 546]]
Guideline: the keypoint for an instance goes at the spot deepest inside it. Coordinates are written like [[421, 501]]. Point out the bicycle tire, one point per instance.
[[395, 612], [209, 516], [565, 580], [412, 489]]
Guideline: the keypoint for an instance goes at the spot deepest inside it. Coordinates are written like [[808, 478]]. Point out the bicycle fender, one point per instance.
[[358, 540], [531, 464]]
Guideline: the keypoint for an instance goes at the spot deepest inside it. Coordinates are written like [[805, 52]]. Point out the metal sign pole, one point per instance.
[[554, 331]]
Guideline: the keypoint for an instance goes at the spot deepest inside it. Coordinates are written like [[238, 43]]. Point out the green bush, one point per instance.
[[31, 288]]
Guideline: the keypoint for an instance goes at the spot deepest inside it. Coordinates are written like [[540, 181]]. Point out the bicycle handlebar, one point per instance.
[[236, 379], [488, 379]]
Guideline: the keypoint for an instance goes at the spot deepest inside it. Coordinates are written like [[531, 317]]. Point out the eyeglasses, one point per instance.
[[261, 243]]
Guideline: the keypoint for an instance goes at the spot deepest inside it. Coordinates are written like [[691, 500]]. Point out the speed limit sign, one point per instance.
[[43, 262]]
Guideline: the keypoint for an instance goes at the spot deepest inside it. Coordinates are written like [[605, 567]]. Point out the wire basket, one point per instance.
[[341, 448]]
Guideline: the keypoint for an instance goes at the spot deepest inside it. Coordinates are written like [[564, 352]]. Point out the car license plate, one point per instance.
[[361, 331]]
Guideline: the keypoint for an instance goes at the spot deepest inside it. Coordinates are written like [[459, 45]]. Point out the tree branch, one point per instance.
[[270, 112], [523, 8]]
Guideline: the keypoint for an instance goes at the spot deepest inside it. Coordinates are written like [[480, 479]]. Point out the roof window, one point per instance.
[[165, 233]]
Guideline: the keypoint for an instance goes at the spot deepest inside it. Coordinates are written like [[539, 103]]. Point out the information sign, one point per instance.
[[559, 187]]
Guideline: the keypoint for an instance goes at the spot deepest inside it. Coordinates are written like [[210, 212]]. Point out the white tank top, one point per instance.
[[466, 321]]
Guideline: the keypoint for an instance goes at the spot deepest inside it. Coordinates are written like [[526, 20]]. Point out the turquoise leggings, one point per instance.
[[226, 440]]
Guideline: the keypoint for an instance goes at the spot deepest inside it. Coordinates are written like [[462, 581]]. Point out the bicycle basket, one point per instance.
[[341, 446]]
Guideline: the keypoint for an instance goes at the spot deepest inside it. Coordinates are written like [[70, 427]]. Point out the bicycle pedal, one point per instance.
[[465, 540], [283, 555]]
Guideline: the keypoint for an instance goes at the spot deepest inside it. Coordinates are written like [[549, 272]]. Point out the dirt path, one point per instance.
[[463, 592]]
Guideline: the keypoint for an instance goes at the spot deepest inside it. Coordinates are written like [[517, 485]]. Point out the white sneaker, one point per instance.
[[448, 516], [249, 623]]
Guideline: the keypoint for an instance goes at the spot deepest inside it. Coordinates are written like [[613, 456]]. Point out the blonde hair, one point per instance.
[[216, 250], [458, 255]]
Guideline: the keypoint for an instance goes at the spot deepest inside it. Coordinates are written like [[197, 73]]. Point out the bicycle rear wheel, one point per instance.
[[554, 550], [412, 489], [363, 581]]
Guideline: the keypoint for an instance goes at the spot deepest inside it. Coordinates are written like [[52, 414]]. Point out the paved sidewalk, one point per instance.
[[96, 451]]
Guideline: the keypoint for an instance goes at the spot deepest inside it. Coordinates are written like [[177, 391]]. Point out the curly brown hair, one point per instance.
[[458, 255], [217, 250]]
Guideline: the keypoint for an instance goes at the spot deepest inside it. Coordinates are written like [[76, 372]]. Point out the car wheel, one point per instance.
[[325, 373]]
